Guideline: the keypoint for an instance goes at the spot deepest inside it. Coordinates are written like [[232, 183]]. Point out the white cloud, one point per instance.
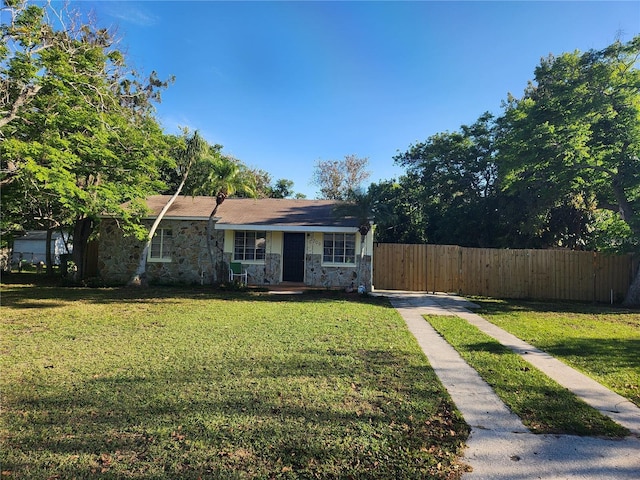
[[131, 12]]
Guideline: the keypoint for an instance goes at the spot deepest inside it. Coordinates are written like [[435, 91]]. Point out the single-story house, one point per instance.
[[275, 240], [32, 247]]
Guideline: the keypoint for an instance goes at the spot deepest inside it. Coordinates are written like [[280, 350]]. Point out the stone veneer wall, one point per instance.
[[319, 275], [118, 256], [267, 273], [334, 276], [316, 275]]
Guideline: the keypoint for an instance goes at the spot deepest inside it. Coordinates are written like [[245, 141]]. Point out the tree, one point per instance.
[[220, 177], [453, 178], [262, 183], [282, 189], [260, 180], [366, 207], [18, 84], [77, 132], [337, 178], [188, 152], [576, 133], [404, 221]]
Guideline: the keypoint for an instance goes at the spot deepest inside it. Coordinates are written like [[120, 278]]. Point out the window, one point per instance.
[[161, 245], [339, 248], [249, 246]]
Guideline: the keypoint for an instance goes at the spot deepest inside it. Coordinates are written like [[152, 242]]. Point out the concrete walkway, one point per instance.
[[500, 446]]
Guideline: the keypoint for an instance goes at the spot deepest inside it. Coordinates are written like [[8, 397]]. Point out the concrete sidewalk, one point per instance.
[[500, 446]]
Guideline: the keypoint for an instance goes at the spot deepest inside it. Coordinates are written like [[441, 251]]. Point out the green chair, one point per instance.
[[236, 271]]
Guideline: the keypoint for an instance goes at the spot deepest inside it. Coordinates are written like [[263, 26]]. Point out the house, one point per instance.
[[32, 247], [275, 240]]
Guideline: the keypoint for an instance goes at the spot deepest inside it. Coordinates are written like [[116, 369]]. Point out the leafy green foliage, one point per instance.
[[559, 168], [283, 188], [218, 174], [573, 139], [404, 221], [77, 132], [452, 178]]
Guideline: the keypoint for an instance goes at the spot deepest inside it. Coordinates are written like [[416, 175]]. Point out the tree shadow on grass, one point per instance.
[[496, 306], [619, 352], [488, 347], [190, 422], [543, 405], [55, 296]]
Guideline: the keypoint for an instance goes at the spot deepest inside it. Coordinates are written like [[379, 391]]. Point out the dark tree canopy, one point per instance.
[[452, 179], [559, 168], [569, 147]]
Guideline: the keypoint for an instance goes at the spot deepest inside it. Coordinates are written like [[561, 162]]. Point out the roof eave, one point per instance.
[[286, 228]]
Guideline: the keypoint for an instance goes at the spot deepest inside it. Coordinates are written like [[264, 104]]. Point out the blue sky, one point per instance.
[[282, 85]]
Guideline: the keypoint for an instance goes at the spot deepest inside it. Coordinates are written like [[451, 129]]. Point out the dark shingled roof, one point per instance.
[[272, 212]]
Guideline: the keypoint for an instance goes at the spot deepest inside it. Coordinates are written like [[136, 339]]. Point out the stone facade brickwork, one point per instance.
[[320, 275], [268, 273], [118, 258]]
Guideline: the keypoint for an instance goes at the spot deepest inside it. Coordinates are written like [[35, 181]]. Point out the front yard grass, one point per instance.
[[543, 405], [601, 341], [181, 383]]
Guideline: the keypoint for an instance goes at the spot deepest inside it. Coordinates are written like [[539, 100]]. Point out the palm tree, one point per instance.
[[222, 180], [194, 148], [368, 209]]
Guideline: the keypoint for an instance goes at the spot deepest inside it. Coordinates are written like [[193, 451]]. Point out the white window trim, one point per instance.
[[340, 264], [260, 261], [164, 258]]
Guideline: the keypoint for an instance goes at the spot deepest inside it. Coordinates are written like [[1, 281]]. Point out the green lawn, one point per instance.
[[543, 405], [600, 341], [186, 383]]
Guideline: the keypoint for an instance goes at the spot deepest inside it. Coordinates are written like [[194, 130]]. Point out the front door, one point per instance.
[[293, 257]]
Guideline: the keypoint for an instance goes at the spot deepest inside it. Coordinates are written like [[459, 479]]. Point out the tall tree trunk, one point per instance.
[[624, 206], [48, 256], [139, 277], [65, 240], [81, 232], [210, 248], [629, 216], [210, 223], [194, 149]]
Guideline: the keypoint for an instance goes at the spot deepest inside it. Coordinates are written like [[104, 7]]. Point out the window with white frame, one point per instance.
[[161, 245], [249, 246], [339, 248]]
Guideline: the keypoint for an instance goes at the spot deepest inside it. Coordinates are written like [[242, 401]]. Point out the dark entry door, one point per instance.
[[293, 257]]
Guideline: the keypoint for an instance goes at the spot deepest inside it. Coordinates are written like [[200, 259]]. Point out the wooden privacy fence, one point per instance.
[[543, 274]]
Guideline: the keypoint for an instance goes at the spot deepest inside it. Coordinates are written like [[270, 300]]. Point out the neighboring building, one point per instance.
[[275, 240], [32, 247]]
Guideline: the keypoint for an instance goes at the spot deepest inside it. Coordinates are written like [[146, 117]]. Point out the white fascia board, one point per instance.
[[285, 228]]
